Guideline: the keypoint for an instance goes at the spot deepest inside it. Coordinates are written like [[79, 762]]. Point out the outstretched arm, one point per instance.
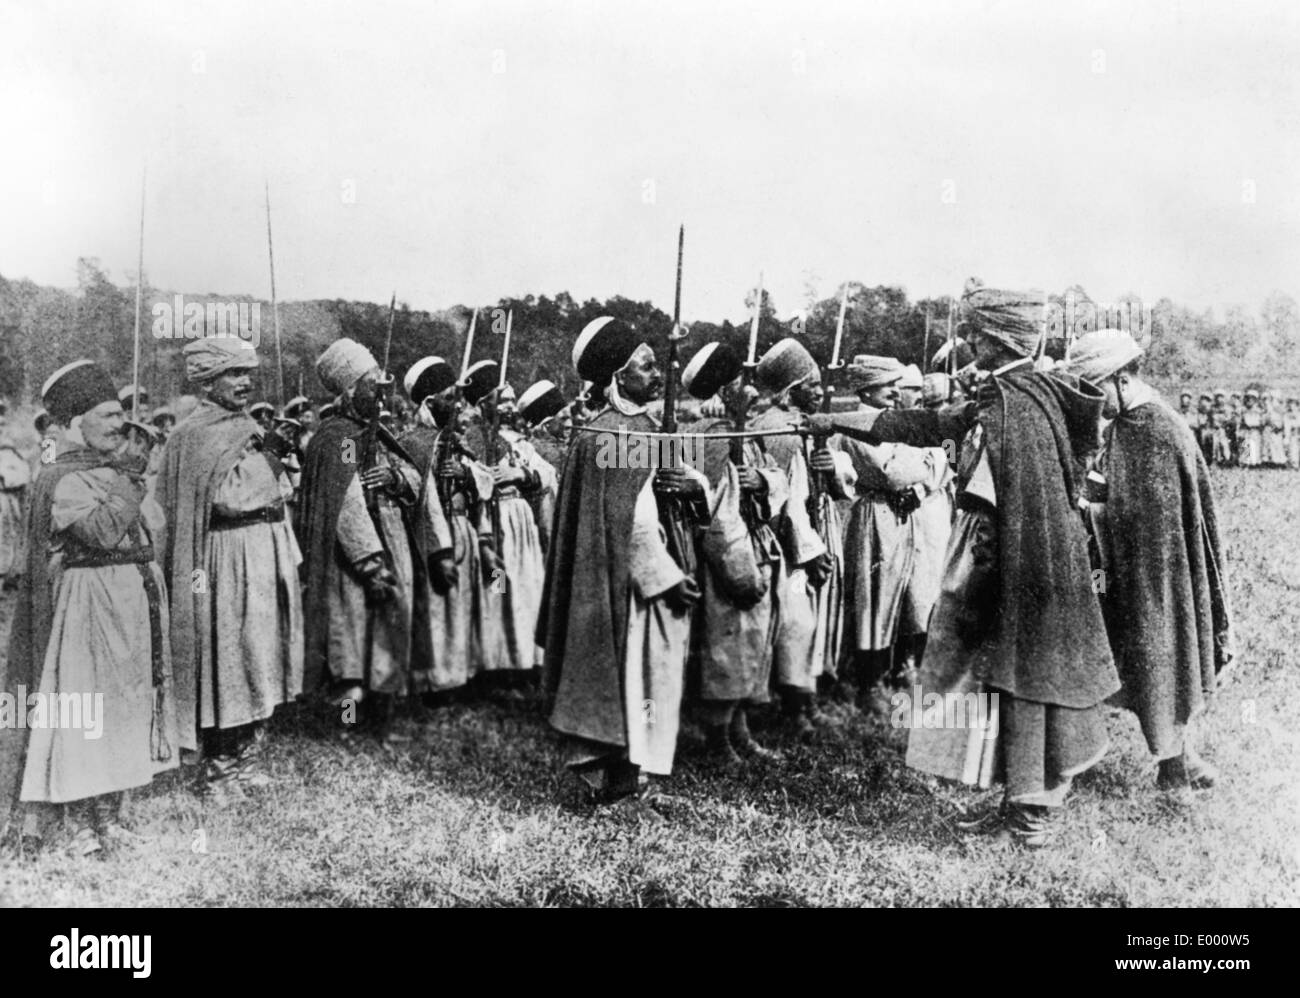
[[916, 427]]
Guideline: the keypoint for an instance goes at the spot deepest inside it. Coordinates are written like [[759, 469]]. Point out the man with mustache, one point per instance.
[[1017, 614], [617, 606], [881, 541], [91, 619], [232, 567]]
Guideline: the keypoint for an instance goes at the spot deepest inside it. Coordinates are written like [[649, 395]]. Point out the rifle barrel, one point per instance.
[[139, 289], [275, 306]]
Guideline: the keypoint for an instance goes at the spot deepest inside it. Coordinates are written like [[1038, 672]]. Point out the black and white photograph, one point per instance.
[[585, 454]]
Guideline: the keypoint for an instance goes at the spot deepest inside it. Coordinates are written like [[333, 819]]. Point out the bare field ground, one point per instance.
[[474, 811]]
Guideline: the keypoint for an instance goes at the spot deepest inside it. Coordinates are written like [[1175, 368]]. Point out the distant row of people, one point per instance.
[[1256, 428]]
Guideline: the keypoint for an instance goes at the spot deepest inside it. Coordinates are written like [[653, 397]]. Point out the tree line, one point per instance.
[[43, 328]]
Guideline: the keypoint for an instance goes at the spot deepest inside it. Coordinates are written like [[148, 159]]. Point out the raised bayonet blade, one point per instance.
[[388, 341], [839, 327], [752, 357], [670, 379], [139, 289], [677, 295], [469, 345], [505, 350]]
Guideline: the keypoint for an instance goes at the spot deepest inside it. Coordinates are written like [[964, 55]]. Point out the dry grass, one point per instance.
[[474, 811]]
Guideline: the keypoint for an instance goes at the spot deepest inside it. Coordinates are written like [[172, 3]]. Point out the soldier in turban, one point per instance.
[[1017, 615], [355, 515], [617, 605], [810, 620], [882, 543], [1165, 592], [232, 567]]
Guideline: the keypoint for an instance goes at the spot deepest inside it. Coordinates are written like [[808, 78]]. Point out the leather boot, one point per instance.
[[743, 742], [1033, 826]]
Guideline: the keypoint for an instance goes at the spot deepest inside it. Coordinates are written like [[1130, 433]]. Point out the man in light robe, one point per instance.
[[1274, 447], [231, 562], [932, 521], [524, 486], [882, 540], [810, 622], [539, 407], [359, 489], [742, 568], [1250, 431], [1166, 587], [91, 625], [451, 544], [617, 605], [510, 595]]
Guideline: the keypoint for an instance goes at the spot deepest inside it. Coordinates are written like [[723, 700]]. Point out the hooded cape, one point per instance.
[[1166, 600], [196, 459]]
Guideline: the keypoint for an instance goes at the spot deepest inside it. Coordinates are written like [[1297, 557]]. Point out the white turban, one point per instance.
[[1097, 355], [343, 364]]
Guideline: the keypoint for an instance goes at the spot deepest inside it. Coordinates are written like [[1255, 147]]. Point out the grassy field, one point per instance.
[[475, 812]]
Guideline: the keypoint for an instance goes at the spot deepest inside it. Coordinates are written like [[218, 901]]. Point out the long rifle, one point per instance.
[[740, 407], [275, 306], [820, 484], [673, 512], [370, 450], [952, 352], [447, 437], [925, 345], [494, 441], [738, 410], [139, 290]]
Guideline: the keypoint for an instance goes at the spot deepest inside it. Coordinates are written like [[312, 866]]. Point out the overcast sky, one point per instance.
[[459, 152]]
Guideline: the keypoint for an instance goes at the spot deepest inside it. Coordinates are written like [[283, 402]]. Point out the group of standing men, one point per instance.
[[174, 597], [769, 550], [1081, 562], [1250, 429]]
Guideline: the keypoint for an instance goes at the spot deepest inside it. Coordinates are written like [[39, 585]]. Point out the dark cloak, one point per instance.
[[583, 618], [1166, 599], [196, 459], [325, 479]]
